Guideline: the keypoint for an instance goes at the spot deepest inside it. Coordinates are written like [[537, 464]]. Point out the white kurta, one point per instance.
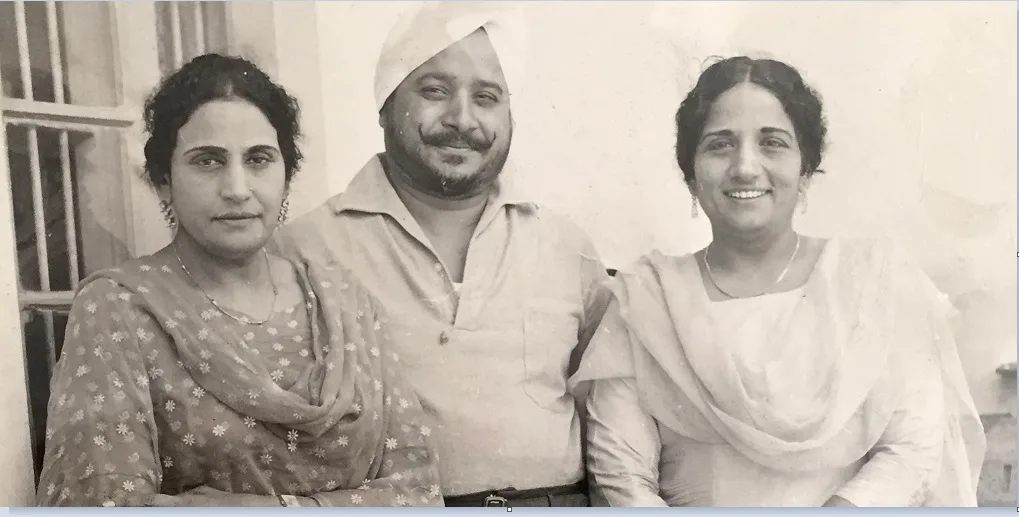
[[635, 461]]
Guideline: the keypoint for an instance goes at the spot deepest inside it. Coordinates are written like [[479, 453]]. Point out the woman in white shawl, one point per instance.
[[772, 368]]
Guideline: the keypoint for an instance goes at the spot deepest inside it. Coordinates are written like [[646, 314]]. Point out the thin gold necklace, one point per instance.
[[241, 319], [711, 276]]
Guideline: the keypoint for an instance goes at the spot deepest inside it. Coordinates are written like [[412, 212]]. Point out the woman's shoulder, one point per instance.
[[654, 275], [130, 275], [111, 279], [107, 293], [651, 270], [100, 288], [879, 252], [140, 282], [899, 269], [656, 260]]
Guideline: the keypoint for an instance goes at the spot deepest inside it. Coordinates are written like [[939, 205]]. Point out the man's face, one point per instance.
[[448, 126]]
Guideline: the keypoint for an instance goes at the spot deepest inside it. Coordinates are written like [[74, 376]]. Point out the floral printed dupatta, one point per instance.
[[338, 396]]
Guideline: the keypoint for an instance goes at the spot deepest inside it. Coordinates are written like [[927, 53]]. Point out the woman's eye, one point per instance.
[[718, 145], [207, 162], [774, 142]]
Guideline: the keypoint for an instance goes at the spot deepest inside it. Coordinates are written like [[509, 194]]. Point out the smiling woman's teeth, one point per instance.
[[746, 194]]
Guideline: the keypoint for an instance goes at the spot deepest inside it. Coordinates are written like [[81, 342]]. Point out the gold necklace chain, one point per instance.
[[241, 319], [711, 276]]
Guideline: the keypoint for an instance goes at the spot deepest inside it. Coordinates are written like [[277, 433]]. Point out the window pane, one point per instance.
[[55, 218], [38, 52], [85, 50], [200, 29], [88, 52], [38, 370]]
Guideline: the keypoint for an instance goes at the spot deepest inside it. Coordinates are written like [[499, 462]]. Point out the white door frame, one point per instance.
[[15, 434]]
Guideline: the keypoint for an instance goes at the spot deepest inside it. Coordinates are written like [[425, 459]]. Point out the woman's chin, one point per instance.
[[238, 247], [747, 224]]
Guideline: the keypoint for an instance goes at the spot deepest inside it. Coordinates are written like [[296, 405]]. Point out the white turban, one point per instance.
[[421, 33]]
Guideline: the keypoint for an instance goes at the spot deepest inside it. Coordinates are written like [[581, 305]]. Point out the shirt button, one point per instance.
[[443, 338]]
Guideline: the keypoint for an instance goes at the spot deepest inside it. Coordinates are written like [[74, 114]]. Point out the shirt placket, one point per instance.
[[479, 257]]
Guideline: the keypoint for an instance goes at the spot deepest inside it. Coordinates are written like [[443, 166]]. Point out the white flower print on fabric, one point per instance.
[[148, 358]]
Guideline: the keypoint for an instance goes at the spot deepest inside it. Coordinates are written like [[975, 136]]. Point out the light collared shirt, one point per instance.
[[490, 359]]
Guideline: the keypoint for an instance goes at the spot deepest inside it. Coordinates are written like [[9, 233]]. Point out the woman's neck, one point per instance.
[[213, 272], [739, 252]]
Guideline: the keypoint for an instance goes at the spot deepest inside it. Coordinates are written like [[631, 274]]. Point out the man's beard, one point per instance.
[[431, 181]]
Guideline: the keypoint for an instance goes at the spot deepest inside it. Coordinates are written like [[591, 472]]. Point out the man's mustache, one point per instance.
[[472, 140]]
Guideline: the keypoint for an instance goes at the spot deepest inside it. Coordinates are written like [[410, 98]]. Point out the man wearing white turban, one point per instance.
[[494, 296]]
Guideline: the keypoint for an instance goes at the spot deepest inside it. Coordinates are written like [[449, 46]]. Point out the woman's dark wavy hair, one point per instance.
[[801, 103], [209, 78]]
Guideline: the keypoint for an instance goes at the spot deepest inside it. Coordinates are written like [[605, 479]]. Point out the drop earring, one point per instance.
[[803, 202], [171, 218], [284, 208], [693, 207]]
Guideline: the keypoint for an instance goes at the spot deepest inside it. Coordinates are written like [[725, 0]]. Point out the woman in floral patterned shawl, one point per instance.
[[212, 373]]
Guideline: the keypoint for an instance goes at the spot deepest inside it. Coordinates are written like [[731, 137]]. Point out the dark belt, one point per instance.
[[507, 496]]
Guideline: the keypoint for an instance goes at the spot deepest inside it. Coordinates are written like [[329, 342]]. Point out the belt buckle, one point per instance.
[[495, 500]]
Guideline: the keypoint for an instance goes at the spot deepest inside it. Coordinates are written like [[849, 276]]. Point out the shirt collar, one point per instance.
[[370, 191]]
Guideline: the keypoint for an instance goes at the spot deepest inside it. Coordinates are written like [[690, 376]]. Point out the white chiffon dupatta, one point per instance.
[[867, 311]]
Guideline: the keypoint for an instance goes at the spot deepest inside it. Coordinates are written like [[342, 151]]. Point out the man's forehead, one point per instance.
[[435, 28], [474, 52]]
